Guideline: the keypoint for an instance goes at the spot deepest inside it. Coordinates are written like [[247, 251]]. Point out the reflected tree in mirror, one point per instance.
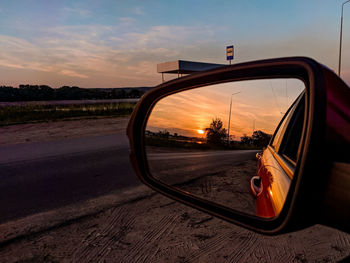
[[216, 133], [215, 142]]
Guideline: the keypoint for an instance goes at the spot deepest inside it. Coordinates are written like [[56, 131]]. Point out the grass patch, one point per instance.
[[40, 113]]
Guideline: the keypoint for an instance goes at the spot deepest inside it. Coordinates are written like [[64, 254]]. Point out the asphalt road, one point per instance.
[[178, 166], [221, 176], [41, 176], [36, 177]]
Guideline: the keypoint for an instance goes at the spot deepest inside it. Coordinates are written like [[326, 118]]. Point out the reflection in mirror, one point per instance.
[[214, 142]]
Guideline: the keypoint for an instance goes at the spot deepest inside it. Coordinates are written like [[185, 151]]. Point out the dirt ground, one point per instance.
[[229, 188], [153, 228], [46, 131], [157, 229]]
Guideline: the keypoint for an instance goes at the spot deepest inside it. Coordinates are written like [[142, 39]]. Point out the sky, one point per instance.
[[256, 105], [108, 44]]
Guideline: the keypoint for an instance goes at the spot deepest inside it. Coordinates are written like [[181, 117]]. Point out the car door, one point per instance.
[[276, 165]]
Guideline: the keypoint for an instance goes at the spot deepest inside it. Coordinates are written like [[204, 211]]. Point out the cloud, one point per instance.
[[118, 55], [106, 54], [169, 36], [72, 74], [78, 11], [21, 54], [137, 10], [127, 20]]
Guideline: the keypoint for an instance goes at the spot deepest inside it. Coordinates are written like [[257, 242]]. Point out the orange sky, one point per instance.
[[259, 105]]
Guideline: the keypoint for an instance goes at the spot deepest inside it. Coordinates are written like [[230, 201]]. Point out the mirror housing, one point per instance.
[[309, 200]]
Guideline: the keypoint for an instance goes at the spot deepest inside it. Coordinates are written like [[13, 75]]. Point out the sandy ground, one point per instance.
[[151, 228], [157, 229], [229, 188]]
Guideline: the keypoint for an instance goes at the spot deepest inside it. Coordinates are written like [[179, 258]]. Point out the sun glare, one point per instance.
[[200, 131]]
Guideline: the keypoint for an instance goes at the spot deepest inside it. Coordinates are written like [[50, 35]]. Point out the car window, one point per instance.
[[291, 139], [276, 138], [276, 142], [279, 135]]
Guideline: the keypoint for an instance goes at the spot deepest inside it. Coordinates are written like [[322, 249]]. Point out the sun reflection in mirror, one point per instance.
[[201, 132]]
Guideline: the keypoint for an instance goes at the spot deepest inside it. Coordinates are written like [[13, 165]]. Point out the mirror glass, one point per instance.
[[216, 142]]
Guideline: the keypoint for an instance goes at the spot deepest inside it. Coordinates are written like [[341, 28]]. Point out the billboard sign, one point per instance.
[[229, 52]]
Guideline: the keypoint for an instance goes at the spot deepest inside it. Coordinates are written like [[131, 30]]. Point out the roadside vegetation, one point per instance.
[[40, 103], [40, 113], [216, 138], [44, 92]]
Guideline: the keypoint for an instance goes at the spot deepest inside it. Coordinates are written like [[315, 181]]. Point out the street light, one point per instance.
[[229, 117], [341, 35]]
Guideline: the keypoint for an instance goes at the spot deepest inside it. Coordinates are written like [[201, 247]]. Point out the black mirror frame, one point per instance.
[[301, 207]]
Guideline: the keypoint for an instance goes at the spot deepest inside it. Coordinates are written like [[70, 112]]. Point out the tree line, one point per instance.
[[45, 92], [217, 135]]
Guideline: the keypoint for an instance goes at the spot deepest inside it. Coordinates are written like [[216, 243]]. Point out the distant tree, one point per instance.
[[258, 138], [8, 93], [114, 94], [119, 94], [45, 93], [68, 93], [34, 92], [261, 138], [135, 93], [216, 134], [27, 92], [164, 134], [246, 139]]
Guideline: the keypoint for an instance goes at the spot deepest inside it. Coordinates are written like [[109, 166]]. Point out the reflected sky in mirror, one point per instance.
[[256, 105]]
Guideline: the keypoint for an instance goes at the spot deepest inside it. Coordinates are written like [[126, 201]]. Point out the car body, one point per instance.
[[277, 163], [320, 183]]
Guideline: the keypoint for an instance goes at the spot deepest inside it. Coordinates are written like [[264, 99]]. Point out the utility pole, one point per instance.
[[341, 35], [229, 117]]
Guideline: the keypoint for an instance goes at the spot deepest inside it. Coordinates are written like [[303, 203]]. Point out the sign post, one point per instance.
[[229, 53]]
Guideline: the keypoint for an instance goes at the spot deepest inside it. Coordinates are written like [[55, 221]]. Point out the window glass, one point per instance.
[[292, 137], [278, 136]]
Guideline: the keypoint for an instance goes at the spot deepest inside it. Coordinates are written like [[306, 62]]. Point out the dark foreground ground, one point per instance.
[[138, 225], [157, 229]]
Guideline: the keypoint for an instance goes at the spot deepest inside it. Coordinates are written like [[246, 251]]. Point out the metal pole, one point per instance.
[[341, 35], [229, 117], [229, 123]]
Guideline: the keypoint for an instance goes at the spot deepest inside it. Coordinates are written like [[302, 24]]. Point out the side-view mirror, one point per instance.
[[260, 144]]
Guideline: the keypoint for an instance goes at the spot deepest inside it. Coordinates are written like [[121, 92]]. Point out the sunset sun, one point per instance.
[[200, 131]]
